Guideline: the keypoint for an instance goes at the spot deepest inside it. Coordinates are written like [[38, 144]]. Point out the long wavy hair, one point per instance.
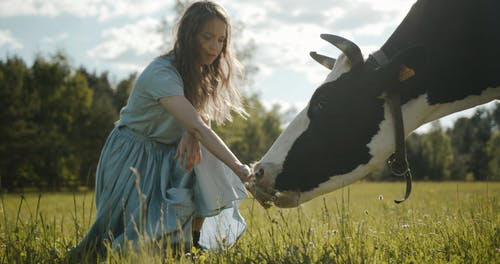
[[209, 88]]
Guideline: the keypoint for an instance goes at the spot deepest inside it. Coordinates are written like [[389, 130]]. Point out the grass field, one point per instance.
[[454, 222]]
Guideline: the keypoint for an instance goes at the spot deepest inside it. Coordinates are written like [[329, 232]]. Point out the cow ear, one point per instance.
[[405, 73], [405, 64]]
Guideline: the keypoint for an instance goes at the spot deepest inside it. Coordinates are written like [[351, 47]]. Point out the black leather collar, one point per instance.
[[397, 162]]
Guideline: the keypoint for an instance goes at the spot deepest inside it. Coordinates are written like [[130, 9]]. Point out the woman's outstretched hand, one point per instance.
[[188, 151], [244, 172]]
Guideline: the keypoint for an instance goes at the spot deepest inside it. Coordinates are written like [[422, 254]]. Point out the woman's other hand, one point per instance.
[[188, 151]]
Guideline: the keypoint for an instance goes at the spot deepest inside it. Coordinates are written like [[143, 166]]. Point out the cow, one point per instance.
[[444, 57]]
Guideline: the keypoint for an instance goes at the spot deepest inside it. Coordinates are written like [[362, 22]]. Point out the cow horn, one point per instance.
[[348, 47], [322, 59]]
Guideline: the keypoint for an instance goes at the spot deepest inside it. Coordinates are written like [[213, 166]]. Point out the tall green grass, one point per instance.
[[441, 223]]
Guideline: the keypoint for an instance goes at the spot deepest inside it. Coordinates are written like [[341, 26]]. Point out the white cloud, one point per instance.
[[284, 46], [131, 8], [102, 9], [286, 31], [249, 12], [6, 39], [139, 38]]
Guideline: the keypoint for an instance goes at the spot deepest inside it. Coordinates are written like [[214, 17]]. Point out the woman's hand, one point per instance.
[[188, 151], [243, 171]]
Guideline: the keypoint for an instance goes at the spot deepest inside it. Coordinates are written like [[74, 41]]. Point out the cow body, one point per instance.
[[346, 132]]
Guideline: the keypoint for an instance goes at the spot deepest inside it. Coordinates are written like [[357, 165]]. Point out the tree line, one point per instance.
[[55, 119]]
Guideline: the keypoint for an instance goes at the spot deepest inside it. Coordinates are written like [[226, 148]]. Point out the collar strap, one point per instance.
[[379, 58], [398, 161]]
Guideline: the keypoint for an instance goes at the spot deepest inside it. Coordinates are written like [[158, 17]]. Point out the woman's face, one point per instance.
[[211, 38]]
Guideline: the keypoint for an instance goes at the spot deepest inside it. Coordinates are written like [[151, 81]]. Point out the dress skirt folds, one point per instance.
[[161, 199]]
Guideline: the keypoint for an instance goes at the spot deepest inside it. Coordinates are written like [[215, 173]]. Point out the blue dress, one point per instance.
[[161, 199]]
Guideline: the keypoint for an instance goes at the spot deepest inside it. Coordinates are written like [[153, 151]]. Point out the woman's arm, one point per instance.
[[187, 115]]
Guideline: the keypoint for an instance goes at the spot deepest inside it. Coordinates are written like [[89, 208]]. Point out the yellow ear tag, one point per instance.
[[405, 73]]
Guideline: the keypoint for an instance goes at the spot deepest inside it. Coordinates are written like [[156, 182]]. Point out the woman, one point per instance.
[[178, 183]]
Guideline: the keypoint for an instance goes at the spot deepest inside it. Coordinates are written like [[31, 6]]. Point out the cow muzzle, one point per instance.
[[263, 190], [265, 197], [269, 197]]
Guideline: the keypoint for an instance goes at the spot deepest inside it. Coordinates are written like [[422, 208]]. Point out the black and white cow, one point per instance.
[[346, 132]]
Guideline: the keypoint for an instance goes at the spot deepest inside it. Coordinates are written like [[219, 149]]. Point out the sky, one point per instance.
[[123, 36]]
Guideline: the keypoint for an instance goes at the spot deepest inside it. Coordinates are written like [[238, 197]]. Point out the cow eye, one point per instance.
[[259, 173], [319, 104]]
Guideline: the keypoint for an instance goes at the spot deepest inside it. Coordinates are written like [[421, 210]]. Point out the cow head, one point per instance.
[[328, 141]]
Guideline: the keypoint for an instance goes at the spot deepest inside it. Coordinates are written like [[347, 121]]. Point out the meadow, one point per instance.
[[452, 222]]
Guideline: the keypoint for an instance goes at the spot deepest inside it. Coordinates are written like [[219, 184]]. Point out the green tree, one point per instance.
[[99, 122], [493, 150], [469, 138], [415, 156], [437, 154], [65, 99], [42, 108], [122, 91], [461, 139], [99, 84], [496, 116], [19, 103]]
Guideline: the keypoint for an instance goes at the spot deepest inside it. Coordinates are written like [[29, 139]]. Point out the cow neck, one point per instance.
[[398, 161]]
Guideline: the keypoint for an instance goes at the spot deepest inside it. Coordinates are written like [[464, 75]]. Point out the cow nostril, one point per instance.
[[259, 173]]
